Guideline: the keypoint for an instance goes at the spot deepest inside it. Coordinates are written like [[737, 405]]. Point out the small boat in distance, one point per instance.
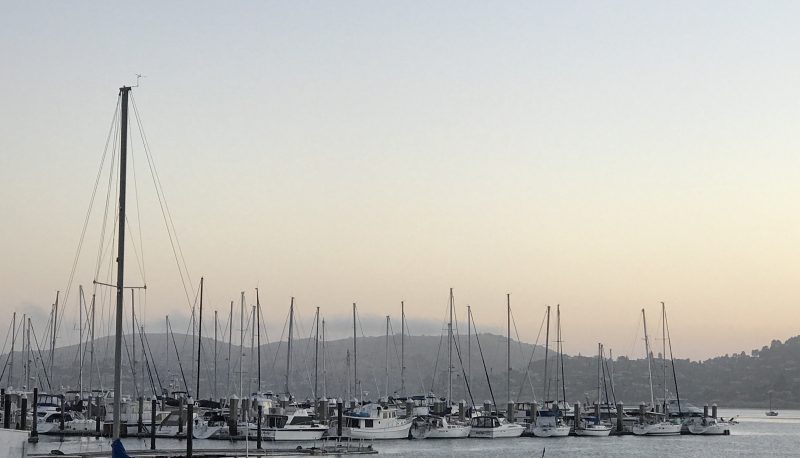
[[770, 412]]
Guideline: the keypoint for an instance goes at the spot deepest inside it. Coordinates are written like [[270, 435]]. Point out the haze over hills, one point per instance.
[[731, 380]]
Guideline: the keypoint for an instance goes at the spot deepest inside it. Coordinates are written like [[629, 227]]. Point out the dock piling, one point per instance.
[[189, 425], [6, 411], [258, 437], [24, 413], [620, 416], [339, 408], [140, 423], [153, 424]]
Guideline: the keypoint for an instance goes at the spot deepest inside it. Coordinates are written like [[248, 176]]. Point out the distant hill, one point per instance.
[[741, 380]]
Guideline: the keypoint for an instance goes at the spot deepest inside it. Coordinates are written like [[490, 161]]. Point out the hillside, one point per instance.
[[741, 380]]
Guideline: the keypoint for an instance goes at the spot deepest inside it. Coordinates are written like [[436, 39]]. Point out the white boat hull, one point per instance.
[[449, 432], [716, 429], [392, 432], [593, 431], [503, 431], [657, 429], [311, 433], [551, 431]]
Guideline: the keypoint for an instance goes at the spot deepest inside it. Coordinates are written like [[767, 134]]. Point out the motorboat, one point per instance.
[[373, 421], [494, 427], [297, 426], [550, 423], [709, 426], [436, 427]]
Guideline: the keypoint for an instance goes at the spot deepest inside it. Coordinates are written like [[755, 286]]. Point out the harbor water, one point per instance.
[[755, 435]]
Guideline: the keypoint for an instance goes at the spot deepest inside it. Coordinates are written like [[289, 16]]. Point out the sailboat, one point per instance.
[[770, 412], [550, 422], [439, 426], [593, 427], [649, 426]]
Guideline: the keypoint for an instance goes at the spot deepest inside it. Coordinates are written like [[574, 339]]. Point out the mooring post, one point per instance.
[[35, 416], [153, 424], [23, 421], [61, 401], [258, 437], [339, 408], [140, 424], [620, 415], [233, 417], [189, 425], [97, 415], [180, 416], [6, 412]]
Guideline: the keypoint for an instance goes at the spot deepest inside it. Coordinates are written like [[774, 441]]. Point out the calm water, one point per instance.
[[755, 435]]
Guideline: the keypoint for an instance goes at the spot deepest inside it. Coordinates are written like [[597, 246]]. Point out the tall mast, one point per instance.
[[347, 361], [252, 345], [28, 365], [324, 373], [258, 327], [230, 344], [199, 341], [599, 368], [289, 347], [91, 349], [80, 340], [133, 341], [13, 341], [216, 328], [469, 345], [316, 356], [649, 365], [508, 348], [53, 340], [561, 357], [402, 348], [355, 356], [386, 386], [123, 164], [241, 347], [664, 351], [546, 351], [450, 352]]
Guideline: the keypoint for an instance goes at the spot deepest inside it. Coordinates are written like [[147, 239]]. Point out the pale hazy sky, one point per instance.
[[601, 155]]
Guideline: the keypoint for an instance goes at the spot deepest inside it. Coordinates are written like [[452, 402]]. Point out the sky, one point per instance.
[[604, 156]]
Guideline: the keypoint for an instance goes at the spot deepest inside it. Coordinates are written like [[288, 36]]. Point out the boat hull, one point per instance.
[[293, 434], [551, 431], [657, 429], [596, 431], [392, 432], [509, 430]]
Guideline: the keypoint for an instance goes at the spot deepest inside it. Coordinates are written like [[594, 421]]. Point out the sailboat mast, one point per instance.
[[289, 346], [80, 340], [199, 341], [13, 342], [508, 349], [133, 341], [386, 385], [316, 355], [664, 352], [450, 352], [355, 356], [91, 349], [258, 327], [241, 346], [469, 345], [599, 369], [123, 164], [324, 373], [546, 357], [252, 348], [561, 358], [53, 340], [28, 364], [649, 365], [216, 328], [230, 344], [402, 348]]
